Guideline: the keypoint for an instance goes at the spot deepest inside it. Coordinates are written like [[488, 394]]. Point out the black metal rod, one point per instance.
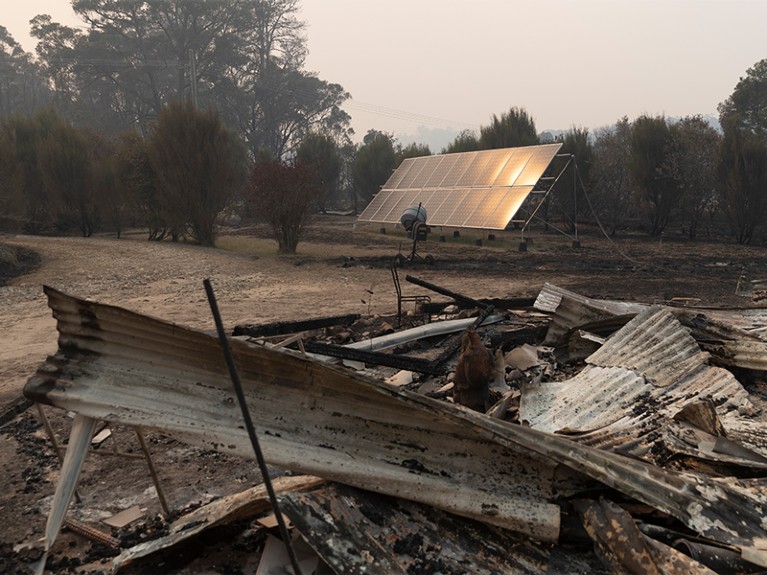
[[446, 292], [287, 327], [249, 424], [398, 361]]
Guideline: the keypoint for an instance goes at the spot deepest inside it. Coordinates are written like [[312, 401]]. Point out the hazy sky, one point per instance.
[[451, 64]]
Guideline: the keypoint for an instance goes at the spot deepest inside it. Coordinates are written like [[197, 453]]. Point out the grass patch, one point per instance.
[[15, 262], [8, 258], [247, 245]]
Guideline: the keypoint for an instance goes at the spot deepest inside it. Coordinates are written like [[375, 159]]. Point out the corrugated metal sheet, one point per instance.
[[311, 417], [357, 532], [593, 399], [736, 337], [573, 310], [339, 425], [645, 372], [655, 345], [752, 320], [728, 344], [550, 297]]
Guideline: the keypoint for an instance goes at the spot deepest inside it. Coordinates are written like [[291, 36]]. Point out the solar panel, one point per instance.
[[445, 163], [467, 190], [483, 212], [399, 174]]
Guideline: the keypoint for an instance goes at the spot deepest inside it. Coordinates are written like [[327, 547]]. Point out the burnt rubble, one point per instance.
[[600, 436]]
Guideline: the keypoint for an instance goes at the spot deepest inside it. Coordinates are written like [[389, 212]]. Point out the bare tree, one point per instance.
[[284, 195], [692, 161], [613, 185]]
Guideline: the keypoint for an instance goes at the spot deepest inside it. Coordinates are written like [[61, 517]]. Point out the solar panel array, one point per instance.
[[467, 190]]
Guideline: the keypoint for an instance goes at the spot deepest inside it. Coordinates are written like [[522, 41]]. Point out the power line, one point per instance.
[[269, 83], [406, 116]]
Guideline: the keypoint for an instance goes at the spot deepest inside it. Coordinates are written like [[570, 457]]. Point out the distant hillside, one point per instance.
[[547, 136]]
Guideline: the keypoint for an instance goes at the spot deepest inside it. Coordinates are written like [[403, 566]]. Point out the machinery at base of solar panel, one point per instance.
[[413, 219]]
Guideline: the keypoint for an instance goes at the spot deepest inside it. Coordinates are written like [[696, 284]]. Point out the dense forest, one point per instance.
[[175, 116]]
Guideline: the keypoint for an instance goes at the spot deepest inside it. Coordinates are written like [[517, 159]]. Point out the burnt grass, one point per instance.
[[26, 261], [636, 268]]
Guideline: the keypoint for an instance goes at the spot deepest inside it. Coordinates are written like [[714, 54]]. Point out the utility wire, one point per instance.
[[599, 223]]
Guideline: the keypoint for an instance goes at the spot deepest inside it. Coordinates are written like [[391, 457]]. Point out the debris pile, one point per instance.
[[572, 436]]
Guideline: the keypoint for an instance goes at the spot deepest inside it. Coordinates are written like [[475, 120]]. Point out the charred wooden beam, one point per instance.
[[446, 292], [450, 347], [286, 327], [498, 303], [377, 358], [356, 531]]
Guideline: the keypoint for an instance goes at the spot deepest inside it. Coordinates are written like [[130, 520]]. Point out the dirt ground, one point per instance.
[[337, 270]]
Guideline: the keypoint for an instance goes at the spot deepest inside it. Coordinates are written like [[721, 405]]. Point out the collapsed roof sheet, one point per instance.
[[650, 368], [128, 368], [481, 189]]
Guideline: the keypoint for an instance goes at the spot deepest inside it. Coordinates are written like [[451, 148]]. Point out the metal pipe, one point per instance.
[[56, 447], [153, 472], [249, 424], [446, 292], [535, 211]]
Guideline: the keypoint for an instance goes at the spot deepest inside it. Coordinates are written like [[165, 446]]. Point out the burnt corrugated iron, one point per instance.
[[632, 386], [735, 336], [550, 297], [655, 345], [123, 367], [593, 399], [627, 550], [572, 310], [652, 363], [728, 344], [311, 417]]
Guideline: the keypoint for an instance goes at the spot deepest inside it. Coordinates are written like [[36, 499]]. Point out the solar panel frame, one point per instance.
[[534, 168], [481, 189]]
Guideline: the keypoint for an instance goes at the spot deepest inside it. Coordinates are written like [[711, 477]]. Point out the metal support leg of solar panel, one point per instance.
[[543, 195]]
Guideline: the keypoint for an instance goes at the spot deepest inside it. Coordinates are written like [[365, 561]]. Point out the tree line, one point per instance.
[[171, 115]]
